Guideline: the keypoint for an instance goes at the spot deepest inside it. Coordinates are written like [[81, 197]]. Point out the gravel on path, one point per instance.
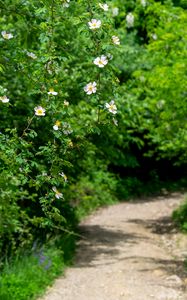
[[129, 251]]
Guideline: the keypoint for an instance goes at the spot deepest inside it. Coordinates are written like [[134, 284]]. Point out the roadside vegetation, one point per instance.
[[92, 111]]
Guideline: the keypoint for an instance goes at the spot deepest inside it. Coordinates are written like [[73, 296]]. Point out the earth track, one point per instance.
[[129, 251]]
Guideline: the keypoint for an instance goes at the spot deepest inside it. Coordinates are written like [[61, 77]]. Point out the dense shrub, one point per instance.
[[78, 101], [48, 117]]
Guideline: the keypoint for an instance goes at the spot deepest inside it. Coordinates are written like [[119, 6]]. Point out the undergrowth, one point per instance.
[[27, 275], [180, 216]]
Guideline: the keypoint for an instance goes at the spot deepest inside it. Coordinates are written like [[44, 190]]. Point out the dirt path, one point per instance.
[[130, 251]]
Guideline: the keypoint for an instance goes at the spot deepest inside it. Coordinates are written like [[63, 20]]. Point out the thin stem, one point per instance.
[[28, 125], [98, 101]]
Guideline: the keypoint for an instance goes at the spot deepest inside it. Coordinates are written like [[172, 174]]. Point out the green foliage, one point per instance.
[[156, 92], [180, 216], [21, 281], [59, 145], [91, 192], [46, 116], [130, 187], [18, 279]]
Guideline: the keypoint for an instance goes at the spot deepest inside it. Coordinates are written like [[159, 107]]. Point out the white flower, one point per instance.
[[64, 176], [115, 11], [115, 40], [160, 104], [94, 24], [90, 88], [154, 36], [58, 195], [4, 99], [130, 20], [66, 128], [6, 35], [39, 111], [143, 3], [52, 92], [103, 6], [101, 61], [31, 55], [44, 173], [49, 67], [57, 125], [66, 103], [111, 107], [66, 4]]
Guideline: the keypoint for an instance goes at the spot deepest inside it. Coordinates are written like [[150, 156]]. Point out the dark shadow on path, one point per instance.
[[103, 242], [99, 246], [168, 266], [163, 225], [99, 241], [107, 245], [166, 197]]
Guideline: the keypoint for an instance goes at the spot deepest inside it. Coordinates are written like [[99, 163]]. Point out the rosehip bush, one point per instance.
[[83, 83], [58, 88]]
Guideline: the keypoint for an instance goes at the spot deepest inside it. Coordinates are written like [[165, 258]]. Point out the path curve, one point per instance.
[[130, 251]]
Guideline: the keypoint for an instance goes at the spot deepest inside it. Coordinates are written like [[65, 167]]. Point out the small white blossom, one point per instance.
[[6, 35], [115, 11], [63, 176], [154, 36], [4, 99], [90, 88], [67, 132], [160, 104], [101, 61], [94, 24], [111, 107], [57, 125], [39, 111], [44, 173], [31, 55], [143, 3], [66, 3], [52, 92], [66, 128], [58, 195], [130, 20], [104, 6], [66, 103], [116, 40]]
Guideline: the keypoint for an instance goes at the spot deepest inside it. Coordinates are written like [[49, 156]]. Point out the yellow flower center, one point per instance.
[[112, 107], [39, 111], [57, 123]]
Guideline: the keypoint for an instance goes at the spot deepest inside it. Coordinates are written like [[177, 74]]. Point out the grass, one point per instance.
[[180, 216], [26, 277]]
